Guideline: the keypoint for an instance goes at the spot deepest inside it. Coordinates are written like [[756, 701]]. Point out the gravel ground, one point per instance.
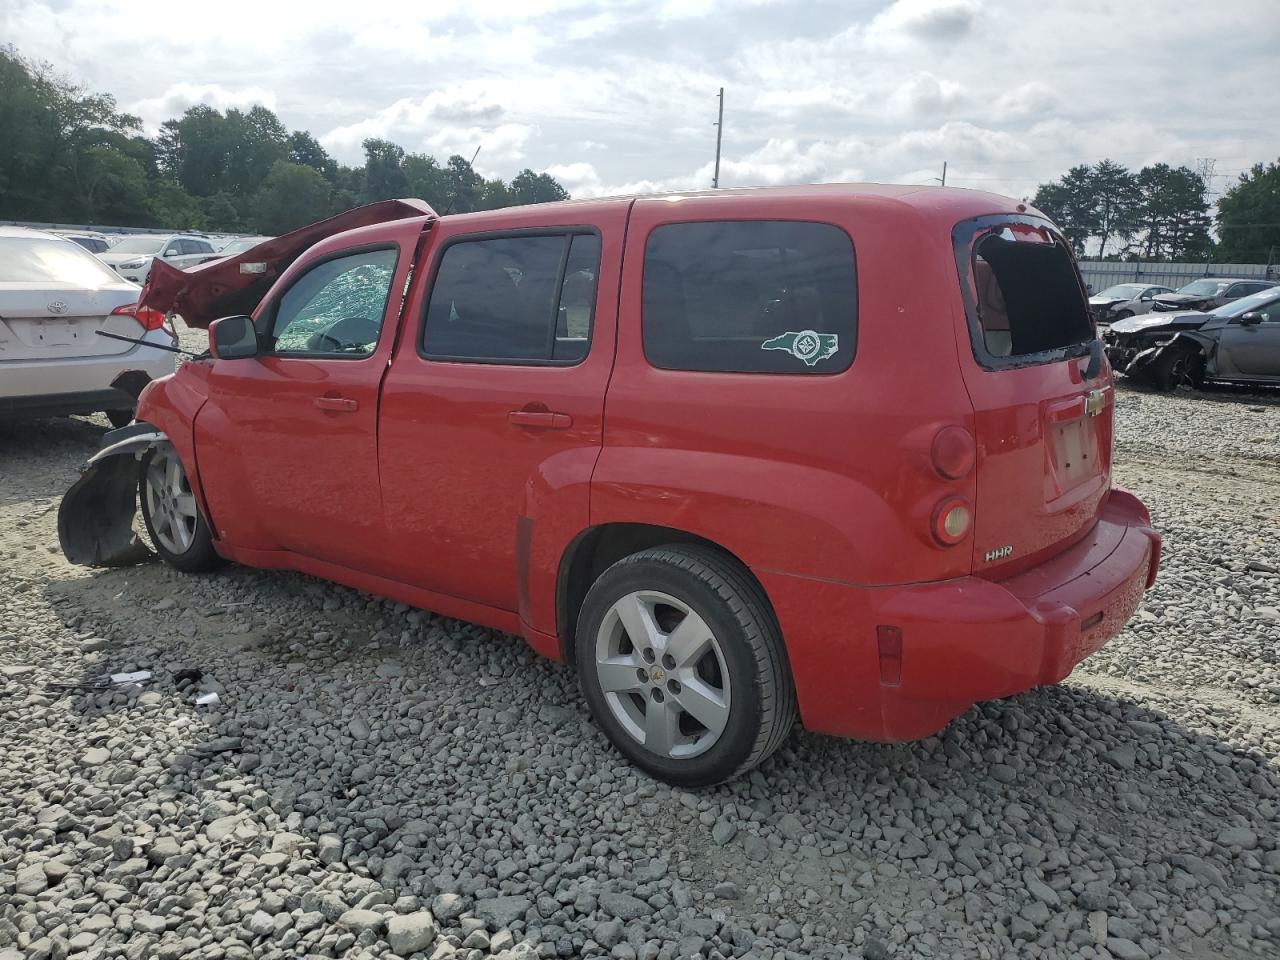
[[380, 782]]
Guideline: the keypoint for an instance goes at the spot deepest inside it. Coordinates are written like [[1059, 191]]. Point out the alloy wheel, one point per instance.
[[663, 674], [170, 502]]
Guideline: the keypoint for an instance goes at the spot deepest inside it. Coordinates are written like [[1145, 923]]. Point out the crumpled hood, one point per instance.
[[235, 285], [1187, 320], [1107, 301]]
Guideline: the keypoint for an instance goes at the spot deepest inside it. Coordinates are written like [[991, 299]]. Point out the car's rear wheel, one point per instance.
[[682, 664], [178, 532], [1122, 315]]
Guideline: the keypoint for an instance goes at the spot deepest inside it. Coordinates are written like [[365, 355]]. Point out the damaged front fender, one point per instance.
[[1181, 360], [95, 519]]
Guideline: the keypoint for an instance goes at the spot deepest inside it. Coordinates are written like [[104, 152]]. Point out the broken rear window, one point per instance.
[[1023, 293]]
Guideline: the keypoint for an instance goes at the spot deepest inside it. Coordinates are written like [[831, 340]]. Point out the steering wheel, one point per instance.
[[341, 336]]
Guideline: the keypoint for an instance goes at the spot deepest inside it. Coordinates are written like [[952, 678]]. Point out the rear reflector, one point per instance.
[[889, 643], [953, 452], [148, 318]]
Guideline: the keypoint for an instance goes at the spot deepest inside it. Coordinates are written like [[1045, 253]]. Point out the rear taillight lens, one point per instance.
[[952, 520], [148, 318], [953, 453]]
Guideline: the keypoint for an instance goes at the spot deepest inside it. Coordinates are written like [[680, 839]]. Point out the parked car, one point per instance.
[[93, 242], [132, 256], [240, 245], [1209, 293], [1124, 300], [681, 442], [54, 299], [1239, 342]]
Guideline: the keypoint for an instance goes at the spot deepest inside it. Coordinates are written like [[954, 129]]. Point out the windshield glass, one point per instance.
[[1204, 288], [37, 260], [1238, 308], [1126, 290], [139, 245]]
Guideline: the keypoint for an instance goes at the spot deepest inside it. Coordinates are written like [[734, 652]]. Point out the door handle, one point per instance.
[[542, 419], [338, 404]]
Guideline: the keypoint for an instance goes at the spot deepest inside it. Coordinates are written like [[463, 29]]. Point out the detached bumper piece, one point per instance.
[[95, 518]]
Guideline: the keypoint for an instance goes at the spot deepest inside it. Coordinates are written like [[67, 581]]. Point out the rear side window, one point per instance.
[[1025, 296], [750, 296], [514, 299]]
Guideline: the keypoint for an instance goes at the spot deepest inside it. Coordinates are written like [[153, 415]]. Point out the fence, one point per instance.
[[1100, 274]]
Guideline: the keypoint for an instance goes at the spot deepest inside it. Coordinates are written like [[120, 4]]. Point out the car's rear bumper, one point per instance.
[[962, 640], [69, 385]]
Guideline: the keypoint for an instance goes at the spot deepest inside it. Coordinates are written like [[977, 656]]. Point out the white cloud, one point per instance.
[[177, 98], [925, 19]]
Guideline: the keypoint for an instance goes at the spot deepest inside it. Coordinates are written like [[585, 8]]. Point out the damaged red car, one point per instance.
[[840, 453]]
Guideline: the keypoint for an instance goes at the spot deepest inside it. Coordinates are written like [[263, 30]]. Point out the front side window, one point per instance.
[[336, 308], [514, 299], [750, 296], [1025, 295]]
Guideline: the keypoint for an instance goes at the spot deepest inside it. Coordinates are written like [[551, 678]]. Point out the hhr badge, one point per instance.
[[807, 345], [999, 553]]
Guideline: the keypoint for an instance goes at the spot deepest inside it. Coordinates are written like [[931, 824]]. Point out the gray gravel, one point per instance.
[[381, 782]]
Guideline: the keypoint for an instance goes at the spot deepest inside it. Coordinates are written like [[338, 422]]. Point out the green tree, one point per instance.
[[1101, 201], [1249, 217], [304, 149], [426, 179], [1173, 218], [530, 187], [171, 206], [384, 177], [465, 187], [257, 141], [292, 196]]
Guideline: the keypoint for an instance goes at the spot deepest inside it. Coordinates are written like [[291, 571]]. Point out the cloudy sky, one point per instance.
[[621, 97]]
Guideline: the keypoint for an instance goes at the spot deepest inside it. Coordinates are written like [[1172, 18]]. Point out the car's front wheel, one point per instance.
[[178, 531], [682, 664]]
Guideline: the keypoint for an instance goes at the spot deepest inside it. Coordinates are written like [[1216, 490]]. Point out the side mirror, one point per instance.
[[1146, 298], [1250, 318], [233, 338]]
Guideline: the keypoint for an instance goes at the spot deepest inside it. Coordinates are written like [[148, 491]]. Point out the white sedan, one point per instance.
[[132, 256], [1125, 300], [54, 299]]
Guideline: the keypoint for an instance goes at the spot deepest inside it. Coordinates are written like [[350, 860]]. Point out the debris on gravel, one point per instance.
[[381, 782]]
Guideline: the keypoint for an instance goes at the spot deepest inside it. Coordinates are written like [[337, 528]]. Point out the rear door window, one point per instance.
[[1024, 295], [750, 296], [514, 299]]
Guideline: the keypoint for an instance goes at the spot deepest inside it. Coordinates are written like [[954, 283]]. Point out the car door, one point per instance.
[[288, 440], [1252, 349], [491, 419]]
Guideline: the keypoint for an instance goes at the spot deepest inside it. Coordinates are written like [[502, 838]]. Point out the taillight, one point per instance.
[[953, 452], [149, 318], [952, 519]]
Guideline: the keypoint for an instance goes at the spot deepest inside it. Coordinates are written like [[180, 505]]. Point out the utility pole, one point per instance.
[[715, 180]]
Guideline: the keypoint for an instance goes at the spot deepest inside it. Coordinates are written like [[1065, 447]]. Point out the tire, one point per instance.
[[1122, 315], [732, 670], [1176, 366], [181, 538], [119, 418]]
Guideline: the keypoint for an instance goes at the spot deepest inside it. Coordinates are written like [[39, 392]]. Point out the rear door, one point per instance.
[[492, 411], [1043, 430]]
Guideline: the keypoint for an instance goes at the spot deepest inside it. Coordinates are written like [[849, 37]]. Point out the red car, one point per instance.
[[841, 451]]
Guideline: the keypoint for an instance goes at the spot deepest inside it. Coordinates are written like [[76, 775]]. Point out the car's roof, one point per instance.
[[30, 234], [945, 203]]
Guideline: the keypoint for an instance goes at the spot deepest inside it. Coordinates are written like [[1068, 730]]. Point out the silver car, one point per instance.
[[1124, 300]]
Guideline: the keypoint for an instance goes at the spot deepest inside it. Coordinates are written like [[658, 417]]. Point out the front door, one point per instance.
[[288, 440], [1252, 350], [491, 419]]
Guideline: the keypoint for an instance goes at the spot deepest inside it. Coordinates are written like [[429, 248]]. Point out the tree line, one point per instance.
[[1162, 212], [69, 155]]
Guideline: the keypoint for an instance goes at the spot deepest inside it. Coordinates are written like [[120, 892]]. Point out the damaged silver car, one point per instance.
[[1237, 343]]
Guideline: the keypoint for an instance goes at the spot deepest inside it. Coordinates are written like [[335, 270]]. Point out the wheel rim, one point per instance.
[[663, 674], [170, 503]]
